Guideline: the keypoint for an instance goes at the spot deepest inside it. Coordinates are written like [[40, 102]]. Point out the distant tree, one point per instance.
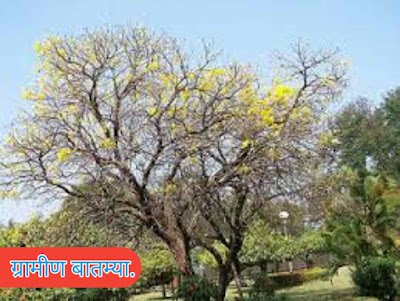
[[388, 158], [369, 136], [263, 245], [358, 130]]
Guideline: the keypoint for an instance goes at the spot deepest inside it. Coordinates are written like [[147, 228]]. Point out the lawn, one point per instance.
[[339, 287]]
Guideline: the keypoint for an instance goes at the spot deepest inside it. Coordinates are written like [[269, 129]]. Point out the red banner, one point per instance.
[[68, 267]]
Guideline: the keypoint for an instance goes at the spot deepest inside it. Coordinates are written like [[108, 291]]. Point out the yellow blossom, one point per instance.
[[282, 92], [108, 143], [328, 81], [206, 84], [9, 194], [64, 154], [152, 111], [10, 140], [153, 66], [40, 109], [168, 80], [185, 94], [27, 94], [191, 76], [170, 188], [326, 139], [193, 160], [248, 94], [218, 71], [246, 143], [43, 47], [244, 169], [274, 154]]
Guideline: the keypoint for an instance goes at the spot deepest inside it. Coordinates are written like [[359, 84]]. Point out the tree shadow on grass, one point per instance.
[[326, 295]]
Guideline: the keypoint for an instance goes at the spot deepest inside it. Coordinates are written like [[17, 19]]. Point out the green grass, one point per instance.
[[339, 287]]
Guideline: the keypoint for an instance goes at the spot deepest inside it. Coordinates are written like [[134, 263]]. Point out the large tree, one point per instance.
[[195, 146]]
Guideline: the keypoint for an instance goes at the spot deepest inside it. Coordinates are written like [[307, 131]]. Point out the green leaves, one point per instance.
[[263, 244], [362, 226]]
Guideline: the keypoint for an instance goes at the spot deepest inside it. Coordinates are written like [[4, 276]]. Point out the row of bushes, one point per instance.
[[283, 280], [263, 288]]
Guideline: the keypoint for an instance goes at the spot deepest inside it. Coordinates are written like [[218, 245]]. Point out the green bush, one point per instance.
[[196, 288], [284, 280], [376, 277], [262, 285], [263, 289]]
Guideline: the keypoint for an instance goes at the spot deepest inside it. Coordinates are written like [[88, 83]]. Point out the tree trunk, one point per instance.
[[223, 282], [238, 279], [290, 266], [277, 265], [173, 289], [181, 255], [264, 267], [177, 241]]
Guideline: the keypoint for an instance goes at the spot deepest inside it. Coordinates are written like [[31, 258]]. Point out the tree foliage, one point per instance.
[[263, 245], [359, 224]]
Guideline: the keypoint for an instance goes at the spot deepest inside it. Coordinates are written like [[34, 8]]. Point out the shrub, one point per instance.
[[263, 289], [196, 288], [262, 285], [376, 277], [284, 280]]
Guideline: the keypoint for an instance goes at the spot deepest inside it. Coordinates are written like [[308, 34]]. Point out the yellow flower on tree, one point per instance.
[[10, 140], [218, 71], [108, 143], [283, 92], [152, 111], [44, 47], [246, 143], [185, 94], [244, 169], [27, 94], [248, 94], [9, 194], [170, 188], [64, 154], [153, 66], [191, 76], [40, 96]]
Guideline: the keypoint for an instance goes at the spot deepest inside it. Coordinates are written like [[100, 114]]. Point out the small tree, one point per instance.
[[158, 267], [359, 225]]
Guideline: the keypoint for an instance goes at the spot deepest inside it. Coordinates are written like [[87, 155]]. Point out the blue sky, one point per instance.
[[367, 31]]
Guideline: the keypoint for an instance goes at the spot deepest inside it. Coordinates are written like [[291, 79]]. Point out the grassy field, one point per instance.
[[339, 287]]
